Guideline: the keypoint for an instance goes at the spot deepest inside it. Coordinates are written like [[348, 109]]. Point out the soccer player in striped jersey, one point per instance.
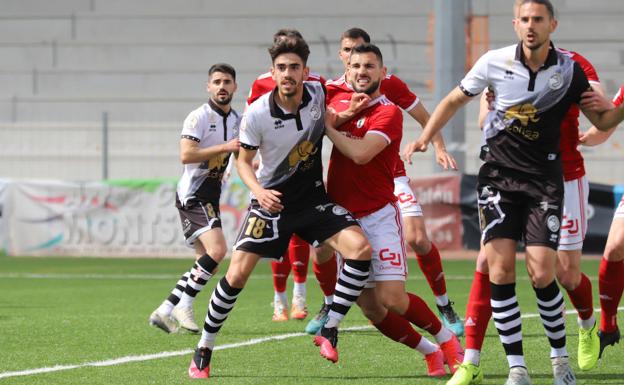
[[569, 275], [297, 256], [209, 137], [286, 128], [520, 185]]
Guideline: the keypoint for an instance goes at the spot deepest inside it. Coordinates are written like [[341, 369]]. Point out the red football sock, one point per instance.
[[398, 329], [478, 311], [582, 299], [281, 269], [326, 274], [431, 266], [610, 286], [420, 315], [299, 252]]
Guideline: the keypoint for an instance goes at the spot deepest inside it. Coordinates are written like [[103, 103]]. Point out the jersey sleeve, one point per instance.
[[399, 93], [476, 80], [579, 83], [340, 105], [249, 132], [258, 89], [618, 99], [388, 123], [191, 127], [587, 67]]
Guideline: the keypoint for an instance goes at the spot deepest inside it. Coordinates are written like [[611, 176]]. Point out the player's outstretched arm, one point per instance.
[[441, 115], [190, 152], [444, 159], [603, 115], [268, 199]]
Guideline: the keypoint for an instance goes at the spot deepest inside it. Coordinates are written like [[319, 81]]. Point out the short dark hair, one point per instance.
[[295, 45], [366, 48], [545, 3], [222, 67], [355, 33], [286, 32]]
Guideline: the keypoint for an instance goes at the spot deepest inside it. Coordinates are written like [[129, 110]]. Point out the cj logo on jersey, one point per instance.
[[524, 114], [301, 153]]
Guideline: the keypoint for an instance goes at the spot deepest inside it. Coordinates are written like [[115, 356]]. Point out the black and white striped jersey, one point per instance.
[[289, 145], [208, 125], [523, 130]]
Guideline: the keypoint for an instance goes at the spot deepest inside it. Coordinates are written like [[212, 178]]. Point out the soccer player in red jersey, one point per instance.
[[297, 256], [366, 148], [611, 271], [414, 224]]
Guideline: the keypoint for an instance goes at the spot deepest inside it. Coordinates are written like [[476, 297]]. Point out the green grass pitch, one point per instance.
[[76, 311]]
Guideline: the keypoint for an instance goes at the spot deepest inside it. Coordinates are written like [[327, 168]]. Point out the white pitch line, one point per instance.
[[156, 356]]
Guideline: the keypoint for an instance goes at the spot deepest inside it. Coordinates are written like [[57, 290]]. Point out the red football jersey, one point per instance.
[[265, 83], [619, 97], [364, 189], [571, 158], [392, 87]]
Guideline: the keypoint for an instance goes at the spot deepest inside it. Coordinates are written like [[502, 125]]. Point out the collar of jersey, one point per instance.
[[278, 113], [378, 99], [551, 59], [215, 107]]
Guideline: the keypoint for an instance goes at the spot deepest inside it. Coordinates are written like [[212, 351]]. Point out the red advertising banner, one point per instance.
[[439, 197]]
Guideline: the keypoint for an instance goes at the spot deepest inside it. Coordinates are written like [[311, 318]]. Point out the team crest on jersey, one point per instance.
[[315, 112], [553, 223], [191, 123], [360, 123], [212, 119], [555, 82]]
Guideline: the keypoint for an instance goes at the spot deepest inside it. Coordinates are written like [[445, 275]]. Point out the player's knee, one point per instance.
[[375, 314], [394, 303], [217, 252], [362, 251], [569, 277], [614, 251], [236, 277], [501, 275], [419, 242], [541, 279]]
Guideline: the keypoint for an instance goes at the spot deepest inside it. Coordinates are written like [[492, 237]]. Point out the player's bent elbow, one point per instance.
[[185, 158], [361, 159]]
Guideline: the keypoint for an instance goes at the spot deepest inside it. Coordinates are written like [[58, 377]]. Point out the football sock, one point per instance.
[[551, 306], [610, 286], [506, 314], [221, 304], [201, 273], [353, 277]]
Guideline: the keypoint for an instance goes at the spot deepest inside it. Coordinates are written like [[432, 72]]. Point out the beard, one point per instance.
[[372, 87], [222, 100], [293, 88]]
